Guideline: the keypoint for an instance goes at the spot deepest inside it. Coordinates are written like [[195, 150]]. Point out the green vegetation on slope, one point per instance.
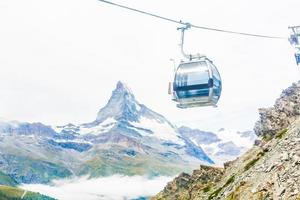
[[110, 163], [250, 164], [253, 161], [207, 188], [7, 180], [280, 134], [12, 193], [216, 192]]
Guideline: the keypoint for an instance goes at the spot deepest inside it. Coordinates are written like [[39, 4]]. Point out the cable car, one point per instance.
[[295, 42], [295, 35], [197, 81], [297, 56]]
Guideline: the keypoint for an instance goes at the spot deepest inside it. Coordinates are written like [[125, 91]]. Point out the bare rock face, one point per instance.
[[285, 111], [186, 186]]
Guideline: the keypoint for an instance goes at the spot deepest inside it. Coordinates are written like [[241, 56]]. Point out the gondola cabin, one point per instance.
[[295, 36], [196, 83], [297, 57], [295, 41]]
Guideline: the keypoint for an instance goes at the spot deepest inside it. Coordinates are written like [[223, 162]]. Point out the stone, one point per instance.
[[280, 191], [257, 142], [296, 160], [284, 156], [270, 168]]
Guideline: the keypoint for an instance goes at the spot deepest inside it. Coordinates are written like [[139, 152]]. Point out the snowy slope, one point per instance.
[[124, 111], [124, 120], [221, 146]]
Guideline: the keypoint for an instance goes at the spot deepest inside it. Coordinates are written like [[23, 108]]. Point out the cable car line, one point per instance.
[[194, 26]]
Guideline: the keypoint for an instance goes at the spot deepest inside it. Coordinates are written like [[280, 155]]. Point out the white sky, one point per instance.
[[60, 59]]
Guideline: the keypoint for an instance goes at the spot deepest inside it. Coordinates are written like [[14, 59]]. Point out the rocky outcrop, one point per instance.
[[187, 186], [269, 170], [284, 112]]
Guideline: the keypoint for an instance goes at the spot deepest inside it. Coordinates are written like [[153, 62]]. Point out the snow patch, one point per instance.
[[161, 130], [233, 136], [57, 129], [138, 107], [103, 127], [78, 141], [68, 127], [140, 131]]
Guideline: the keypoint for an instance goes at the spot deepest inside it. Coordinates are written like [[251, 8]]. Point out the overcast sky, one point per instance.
[[60, 59]]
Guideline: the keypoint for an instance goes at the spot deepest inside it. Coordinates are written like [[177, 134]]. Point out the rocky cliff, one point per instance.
[[270, 170], [281, 115]]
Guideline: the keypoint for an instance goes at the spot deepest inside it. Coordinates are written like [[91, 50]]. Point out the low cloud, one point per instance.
[[107, 188]]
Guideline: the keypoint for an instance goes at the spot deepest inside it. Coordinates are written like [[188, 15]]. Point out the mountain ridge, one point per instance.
[[125, 138]]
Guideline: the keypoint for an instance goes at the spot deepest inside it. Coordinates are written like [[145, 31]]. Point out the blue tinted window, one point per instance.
[[192, 74], [217, 87], [193, 93]]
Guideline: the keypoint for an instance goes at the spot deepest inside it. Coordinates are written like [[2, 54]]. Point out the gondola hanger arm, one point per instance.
[[183, 29]]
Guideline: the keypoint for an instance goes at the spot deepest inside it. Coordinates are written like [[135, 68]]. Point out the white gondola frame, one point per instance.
[[199, 101]]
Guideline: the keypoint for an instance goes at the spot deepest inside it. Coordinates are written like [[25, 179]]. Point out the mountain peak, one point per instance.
[[122, 91], [122, 86], [121, 105]]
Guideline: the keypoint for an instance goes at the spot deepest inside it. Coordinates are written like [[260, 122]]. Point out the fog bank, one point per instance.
[[114, 187]]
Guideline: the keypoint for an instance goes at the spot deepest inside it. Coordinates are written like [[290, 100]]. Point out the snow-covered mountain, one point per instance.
[[125, 138], [124, 111], [222, 146], [198, 137]]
